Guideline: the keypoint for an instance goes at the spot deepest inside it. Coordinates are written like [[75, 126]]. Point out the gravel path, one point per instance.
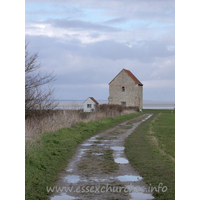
[[100, 169]]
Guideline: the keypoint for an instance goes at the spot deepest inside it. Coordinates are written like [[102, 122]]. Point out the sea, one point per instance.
[[78, 104]]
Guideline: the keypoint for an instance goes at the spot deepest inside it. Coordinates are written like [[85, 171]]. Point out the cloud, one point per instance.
[[89, 60], [86, 32], [81, 25], [86, 44], [117, 51], [154, 10], [115, 21]]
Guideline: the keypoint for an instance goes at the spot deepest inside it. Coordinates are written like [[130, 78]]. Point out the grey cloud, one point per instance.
[[39, 43], [57, 10], [115, 21], [78, 24], [157, 16], [116, 51], [106, 3], [95, 35], [94, 60], [159, 10], [43, 12], [145, 52], [76, 64]]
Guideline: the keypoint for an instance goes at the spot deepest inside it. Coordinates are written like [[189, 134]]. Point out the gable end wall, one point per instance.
[[133, 95]]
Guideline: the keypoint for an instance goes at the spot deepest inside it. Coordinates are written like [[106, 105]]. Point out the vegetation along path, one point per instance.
[[151, 151], [100, 169]]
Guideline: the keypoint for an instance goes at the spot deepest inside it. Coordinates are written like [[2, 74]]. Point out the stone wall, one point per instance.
[[132, 94]]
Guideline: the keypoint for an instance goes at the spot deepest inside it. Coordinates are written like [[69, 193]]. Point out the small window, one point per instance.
[[89, 105], [123, 103], [123, 89]]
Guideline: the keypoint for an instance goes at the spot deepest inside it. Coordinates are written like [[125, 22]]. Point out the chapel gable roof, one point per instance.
[[129, 73]]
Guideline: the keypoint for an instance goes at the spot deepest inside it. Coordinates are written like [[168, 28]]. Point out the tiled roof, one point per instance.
[[129, 74], [133, 77], [94, 100]]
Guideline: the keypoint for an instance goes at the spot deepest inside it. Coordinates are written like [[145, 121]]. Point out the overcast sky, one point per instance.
[[86, 43]]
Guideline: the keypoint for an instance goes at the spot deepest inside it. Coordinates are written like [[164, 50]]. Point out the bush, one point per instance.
[[116, 108], [41, 121]]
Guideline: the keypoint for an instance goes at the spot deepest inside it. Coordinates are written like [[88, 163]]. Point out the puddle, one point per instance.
[[69, 170], [129, 178], [87, 144], [117, 148], [82, 151], [114, 137], [97, 154], [76, 179], [125, 178], [72, 179], [121, 160], [101, 144], [63, 197], [93, 137], [92, 140], [146, 118], [141, 196]]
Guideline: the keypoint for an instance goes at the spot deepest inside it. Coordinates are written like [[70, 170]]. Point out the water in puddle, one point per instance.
[[101, 144], [121, 160], [92, 140], [141, 196], [146, 118], [82, 151], [117, 148], [69, 170], [127, 178], [63, 197], [76, 179], [97, 154], [87, 144], [72, 179]]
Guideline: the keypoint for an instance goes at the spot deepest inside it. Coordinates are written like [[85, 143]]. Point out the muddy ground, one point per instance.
[[100, 170]]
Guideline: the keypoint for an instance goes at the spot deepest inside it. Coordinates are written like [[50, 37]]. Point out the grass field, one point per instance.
[[49, 155], [151, 151]]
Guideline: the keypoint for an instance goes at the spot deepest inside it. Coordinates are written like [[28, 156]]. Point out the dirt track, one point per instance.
[[100, 170]]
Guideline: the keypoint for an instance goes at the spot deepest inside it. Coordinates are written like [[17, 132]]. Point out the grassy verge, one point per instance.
[[151, 150], [51, 152]]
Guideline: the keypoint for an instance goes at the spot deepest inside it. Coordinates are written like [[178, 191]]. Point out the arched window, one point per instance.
[[123, 89]]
